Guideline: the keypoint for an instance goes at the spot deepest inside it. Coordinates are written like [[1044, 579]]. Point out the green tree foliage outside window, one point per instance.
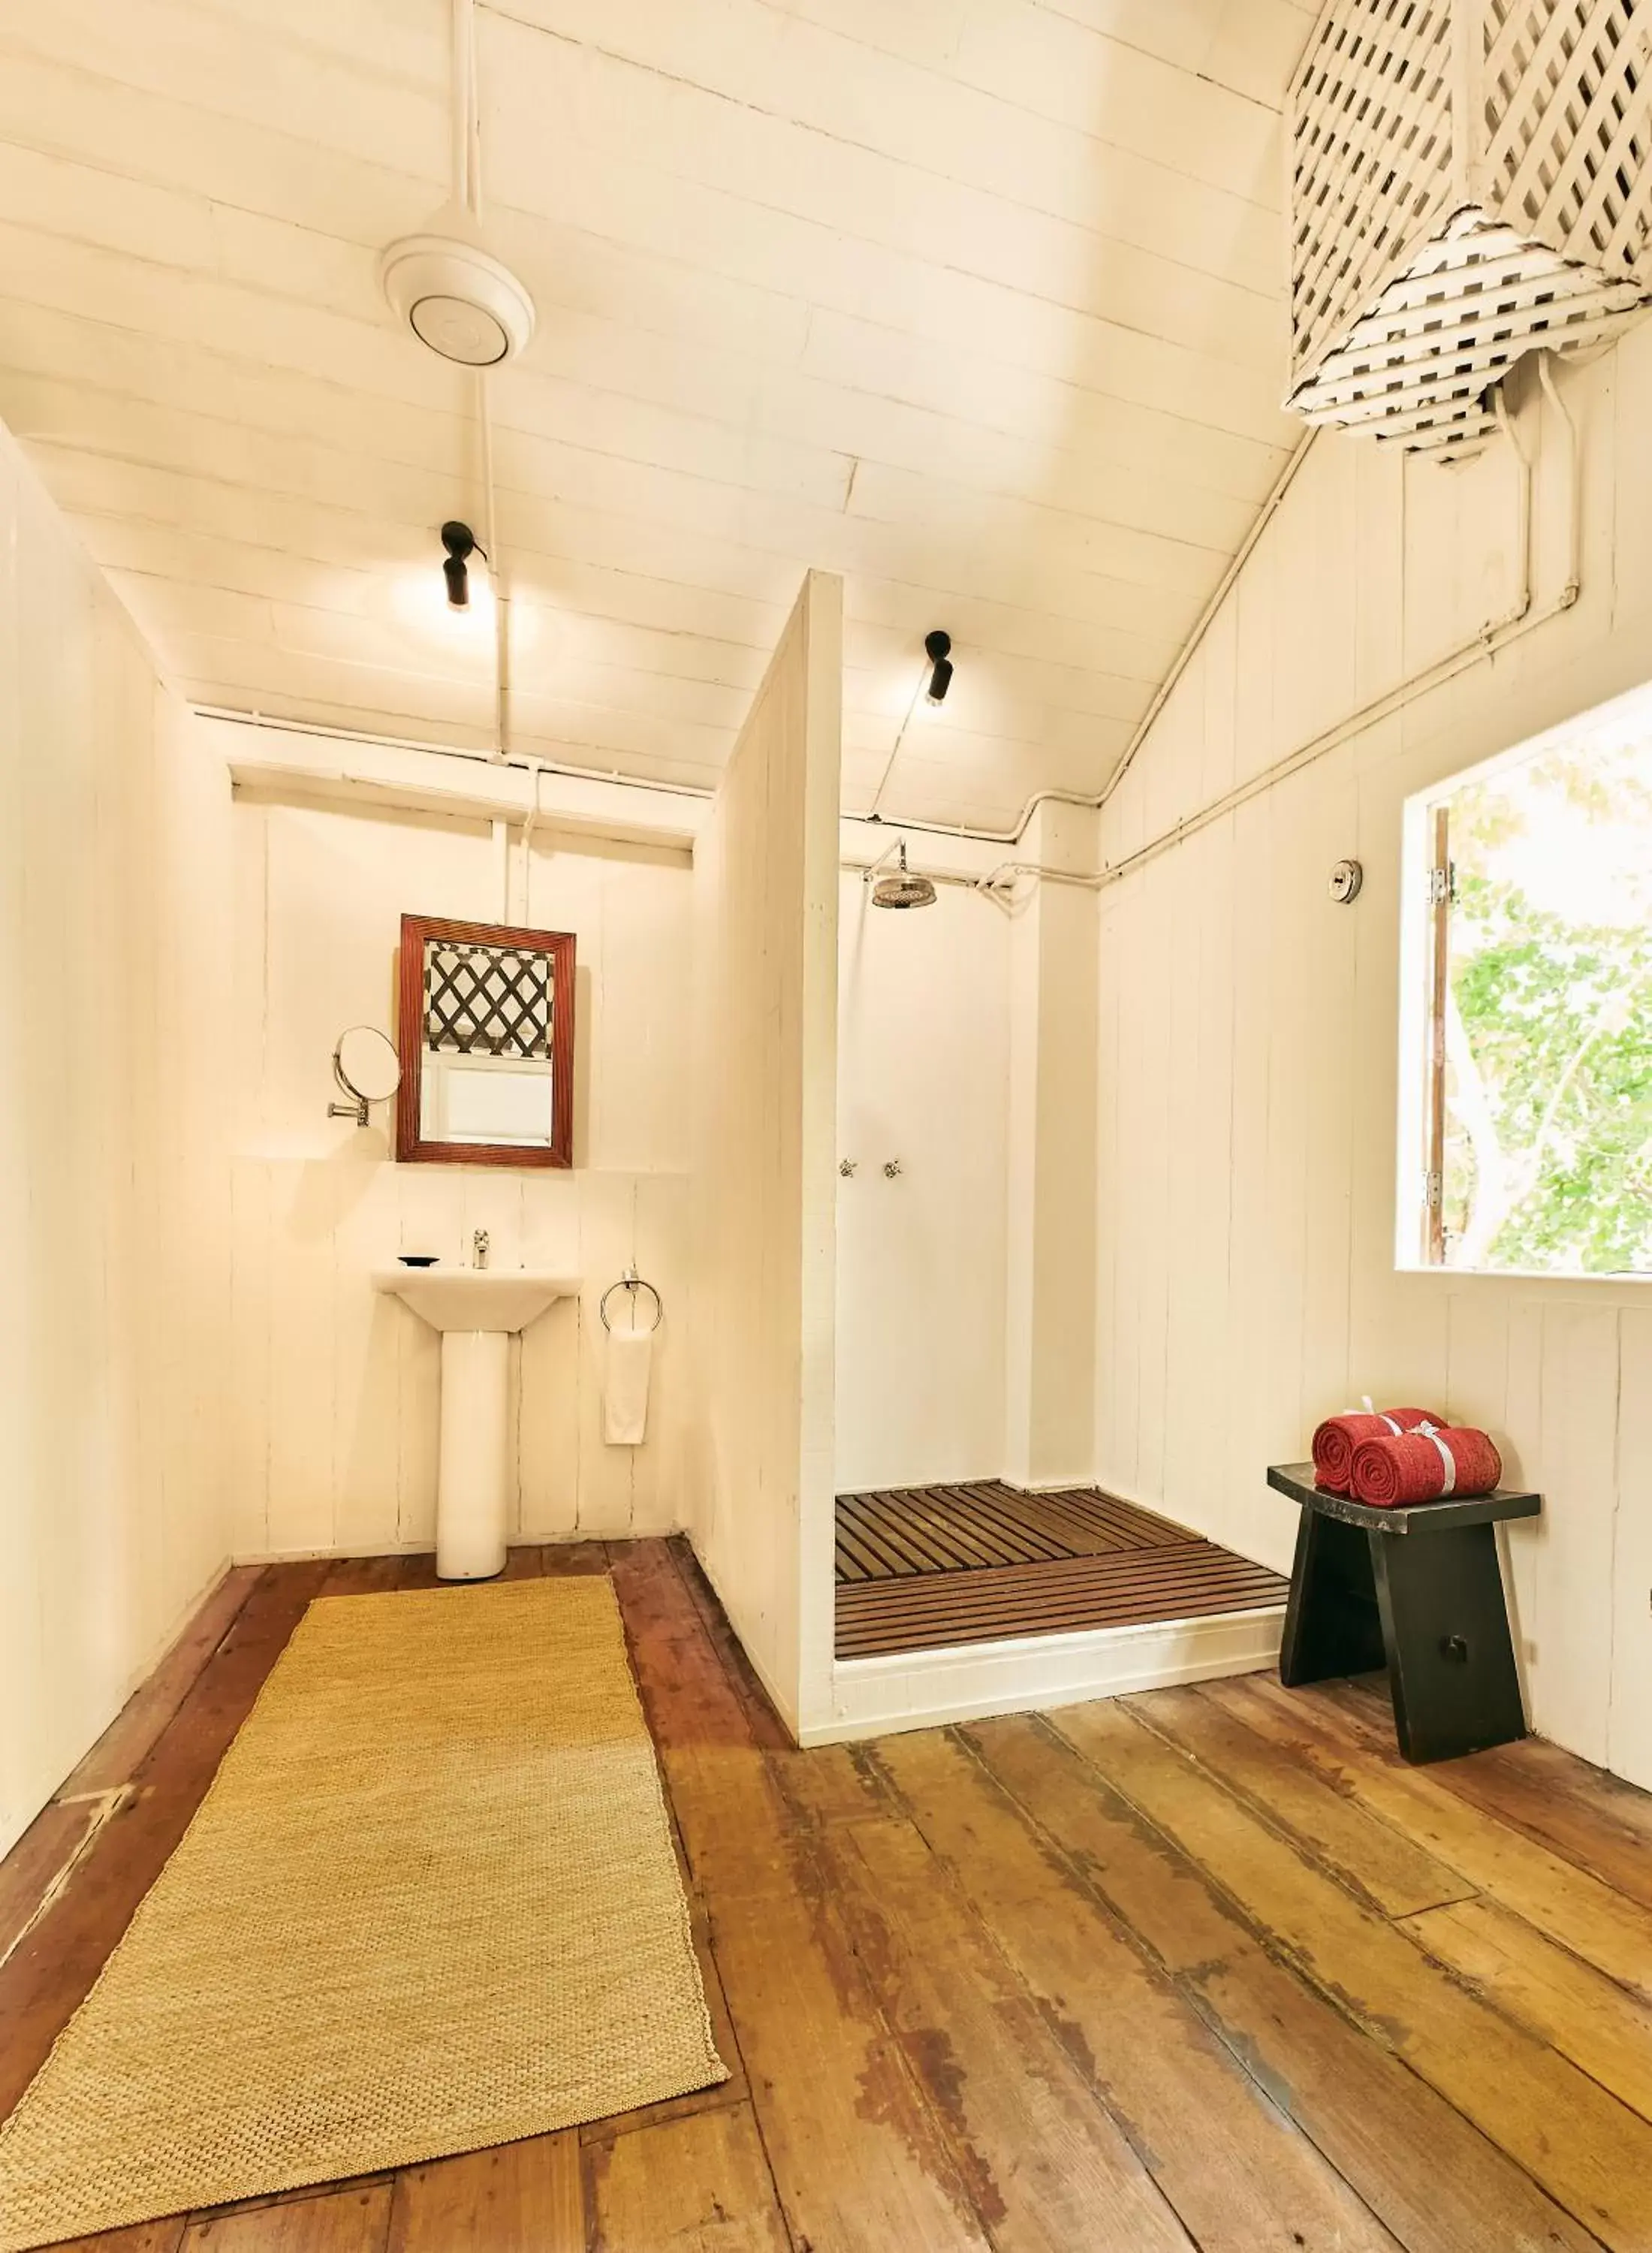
[[1548, 1151]]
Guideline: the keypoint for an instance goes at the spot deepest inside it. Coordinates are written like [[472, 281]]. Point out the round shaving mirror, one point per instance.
[[367, 1067]]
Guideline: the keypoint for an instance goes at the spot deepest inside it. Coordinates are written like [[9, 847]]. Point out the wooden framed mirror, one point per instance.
[[485, 1035]]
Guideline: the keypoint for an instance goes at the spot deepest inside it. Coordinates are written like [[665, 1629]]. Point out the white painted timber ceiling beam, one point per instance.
[[269, 760]]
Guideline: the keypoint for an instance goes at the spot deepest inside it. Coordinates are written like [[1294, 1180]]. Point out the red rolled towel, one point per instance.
[[1338, 1436], [1425, 1467]]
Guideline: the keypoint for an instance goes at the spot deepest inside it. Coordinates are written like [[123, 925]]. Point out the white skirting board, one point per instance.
[[925, 1689]]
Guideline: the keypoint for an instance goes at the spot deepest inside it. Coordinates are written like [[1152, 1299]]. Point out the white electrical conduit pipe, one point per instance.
[[467, 194], [495, 572], [467, 114], [528, 827], [870, 868], [895, 753], [276, 721], [1494, 635], [1574, 483], [1093, 802], [500, 832]]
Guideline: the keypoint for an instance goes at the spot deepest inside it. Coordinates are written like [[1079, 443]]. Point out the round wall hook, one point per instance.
[[1346, 879]]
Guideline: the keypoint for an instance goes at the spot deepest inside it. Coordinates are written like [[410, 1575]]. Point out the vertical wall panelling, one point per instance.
[[1248, 1034], [1629, 1723], [337, 1386], [766, 889], [1050, 1332], [115, 1101], [923, 1078]]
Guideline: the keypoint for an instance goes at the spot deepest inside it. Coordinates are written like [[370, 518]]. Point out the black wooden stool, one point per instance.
[[1367, 1590]]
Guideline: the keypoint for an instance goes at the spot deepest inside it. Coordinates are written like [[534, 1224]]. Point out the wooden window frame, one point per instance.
[[1440, 904], [411, 1146]]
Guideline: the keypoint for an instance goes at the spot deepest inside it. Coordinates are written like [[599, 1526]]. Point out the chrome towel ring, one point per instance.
[[632, 1281]]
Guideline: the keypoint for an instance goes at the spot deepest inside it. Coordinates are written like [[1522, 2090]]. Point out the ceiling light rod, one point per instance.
[[501, 590], [467, 117], [937, 645]]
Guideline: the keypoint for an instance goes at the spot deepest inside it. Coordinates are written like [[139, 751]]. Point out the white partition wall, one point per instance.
[[766, 886], [1051, 1325], [115, 1057]]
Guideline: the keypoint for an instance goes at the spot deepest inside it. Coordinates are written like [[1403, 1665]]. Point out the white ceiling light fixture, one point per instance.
[[457, 298], [444, 283]]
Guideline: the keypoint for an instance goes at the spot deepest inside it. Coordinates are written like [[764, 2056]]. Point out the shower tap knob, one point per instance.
[[891, 1169], [847, 1165]]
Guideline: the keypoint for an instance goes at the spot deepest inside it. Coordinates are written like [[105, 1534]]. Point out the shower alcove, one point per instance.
[[909, 1509], [969, 1539]]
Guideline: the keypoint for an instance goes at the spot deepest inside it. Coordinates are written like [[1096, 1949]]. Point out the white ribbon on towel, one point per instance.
[[1398, 1430], [1432, 1431]]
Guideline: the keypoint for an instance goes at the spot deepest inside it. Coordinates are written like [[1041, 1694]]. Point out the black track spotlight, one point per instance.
[[938, 648], [460, 543]]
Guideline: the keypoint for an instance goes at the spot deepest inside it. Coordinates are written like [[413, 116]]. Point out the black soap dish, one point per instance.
[[418, 1259]]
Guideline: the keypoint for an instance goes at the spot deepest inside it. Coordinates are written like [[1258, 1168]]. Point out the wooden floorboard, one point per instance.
[[1204, 1968]]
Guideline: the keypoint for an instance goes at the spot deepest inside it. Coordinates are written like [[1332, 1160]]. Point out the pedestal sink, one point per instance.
[[475, 1309]]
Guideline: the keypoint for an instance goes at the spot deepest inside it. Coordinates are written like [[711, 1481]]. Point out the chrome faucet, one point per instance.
[[479, 1248]]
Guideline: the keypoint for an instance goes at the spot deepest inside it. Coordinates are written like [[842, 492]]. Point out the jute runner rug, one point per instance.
[[428, 1904]]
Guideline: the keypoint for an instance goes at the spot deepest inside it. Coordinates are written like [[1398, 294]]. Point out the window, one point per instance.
[[1532, 944]]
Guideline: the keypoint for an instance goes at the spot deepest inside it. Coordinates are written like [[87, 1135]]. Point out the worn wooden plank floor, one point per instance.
[[1206, 1968], [919, 1568]]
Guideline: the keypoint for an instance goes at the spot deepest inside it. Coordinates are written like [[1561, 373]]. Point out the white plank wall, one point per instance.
[[923, 1068], [1249, 1043], [114, 1154], [766, 948], [1049, 1409], [336, 1391]]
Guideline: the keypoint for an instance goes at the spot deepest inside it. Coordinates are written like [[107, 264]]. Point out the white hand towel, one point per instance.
[[625, 1394]]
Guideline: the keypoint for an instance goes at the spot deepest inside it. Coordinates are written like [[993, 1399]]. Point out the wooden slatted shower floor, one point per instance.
[[920, 1567]]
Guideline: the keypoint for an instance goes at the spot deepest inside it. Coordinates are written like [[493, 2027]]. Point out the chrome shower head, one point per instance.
[[901, 889]]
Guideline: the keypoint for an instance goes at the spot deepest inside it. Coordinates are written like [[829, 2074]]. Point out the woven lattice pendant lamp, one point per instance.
[[1470, 181]]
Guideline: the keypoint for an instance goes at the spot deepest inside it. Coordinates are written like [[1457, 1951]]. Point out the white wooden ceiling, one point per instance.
[[980, 302]]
